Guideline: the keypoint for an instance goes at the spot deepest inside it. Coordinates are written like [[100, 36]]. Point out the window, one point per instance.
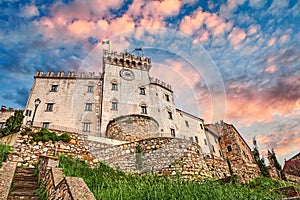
[[2, 125], [86, 127], [186, 123], [46, 125], [229, 148], [172, 132], [191, 139], [88, 106], [220, 153], [28, 113], [201, 126], [205, 142], [90, 89], [114, 105], [213, 148], [49, 107], [144, 109], [167, 97], [196, 138], [142, 91], [114, 86], [54, 88], [170, 115]]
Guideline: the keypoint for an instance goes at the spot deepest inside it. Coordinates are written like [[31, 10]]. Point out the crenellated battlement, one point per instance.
[[126, 60], [160, 83], [70, 74]]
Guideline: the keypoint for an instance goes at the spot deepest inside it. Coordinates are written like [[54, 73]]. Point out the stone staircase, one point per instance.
[[24, 185]]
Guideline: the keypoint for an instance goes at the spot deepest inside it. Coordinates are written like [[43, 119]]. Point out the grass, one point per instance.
[[106, 183], [4, 149]]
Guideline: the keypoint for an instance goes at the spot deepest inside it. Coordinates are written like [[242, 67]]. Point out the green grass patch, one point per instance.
[[106, 183], [4, 150]]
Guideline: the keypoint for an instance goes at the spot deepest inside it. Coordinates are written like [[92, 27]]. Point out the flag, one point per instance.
[[105, 41]]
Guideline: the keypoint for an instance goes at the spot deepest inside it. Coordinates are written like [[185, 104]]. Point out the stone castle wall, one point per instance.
[[26, 153], [132, 128]]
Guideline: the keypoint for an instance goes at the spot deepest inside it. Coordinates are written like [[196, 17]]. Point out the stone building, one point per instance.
[[234, 150], [124, 103], [4, 115]]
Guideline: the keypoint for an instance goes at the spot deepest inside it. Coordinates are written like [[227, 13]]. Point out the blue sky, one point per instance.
[[252, 46]]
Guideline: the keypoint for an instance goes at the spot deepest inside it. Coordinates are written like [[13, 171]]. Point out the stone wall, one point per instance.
[[293, 178], [26, 153], [58, 186], [7, 172], [9, 139], [146, 155], [132, 128]]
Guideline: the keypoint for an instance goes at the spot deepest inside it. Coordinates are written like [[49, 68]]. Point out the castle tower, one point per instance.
[[129, 90]]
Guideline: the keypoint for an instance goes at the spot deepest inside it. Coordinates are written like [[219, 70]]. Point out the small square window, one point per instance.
[[88, 106], [114, 86], [229, 148], [90, 89], [144, 109], [46, 125], [114, 105], [54, 88], [49, 106], [86, 127], [142, 91], [172, 132], [170, 115], [186, 123], [196, 138], [167, 97], [205, 142], [2, 125], [213, 148], [28, 113], [201, 126]]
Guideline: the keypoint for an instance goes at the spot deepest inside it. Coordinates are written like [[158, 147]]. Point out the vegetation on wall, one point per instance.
[[12, 124], [106, 183], [4, 149], [45, 135], [260, 161]]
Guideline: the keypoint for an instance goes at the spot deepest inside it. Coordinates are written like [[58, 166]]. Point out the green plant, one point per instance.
[[4, 150], [64, 137], [107, 183], [45, 135], [13, 123]]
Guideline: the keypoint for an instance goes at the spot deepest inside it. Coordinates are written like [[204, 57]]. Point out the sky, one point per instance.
[[231, 60]]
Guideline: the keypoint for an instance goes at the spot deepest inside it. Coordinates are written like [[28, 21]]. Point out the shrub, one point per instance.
[[64, 137], [4, 149]]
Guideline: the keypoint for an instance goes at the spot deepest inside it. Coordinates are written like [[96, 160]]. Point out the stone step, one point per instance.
[[32, 197]]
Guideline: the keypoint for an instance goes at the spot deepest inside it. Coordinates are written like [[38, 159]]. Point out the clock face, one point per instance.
[[127, 74]]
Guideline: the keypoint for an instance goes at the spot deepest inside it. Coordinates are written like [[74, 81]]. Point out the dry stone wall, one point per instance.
[[6, 177], [58, 186], [132, 128], [26, 153]]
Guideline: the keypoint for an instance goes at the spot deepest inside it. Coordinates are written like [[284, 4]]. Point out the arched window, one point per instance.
[[114, 85]]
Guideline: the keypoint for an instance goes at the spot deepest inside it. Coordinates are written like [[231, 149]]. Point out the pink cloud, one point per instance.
[[282, 142], [252, 30], [271, 69], [271, 42], [81, 28], [236, 36], [283, 39], [190, 24]]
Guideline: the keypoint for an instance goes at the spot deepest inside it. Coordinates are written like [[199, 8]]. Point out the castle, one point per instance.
[[128, 108]]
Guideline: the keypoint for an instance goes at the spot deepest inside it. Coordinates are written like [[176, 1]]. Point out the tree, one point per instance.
[[260, 161], [13, 123], [276, 164]]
